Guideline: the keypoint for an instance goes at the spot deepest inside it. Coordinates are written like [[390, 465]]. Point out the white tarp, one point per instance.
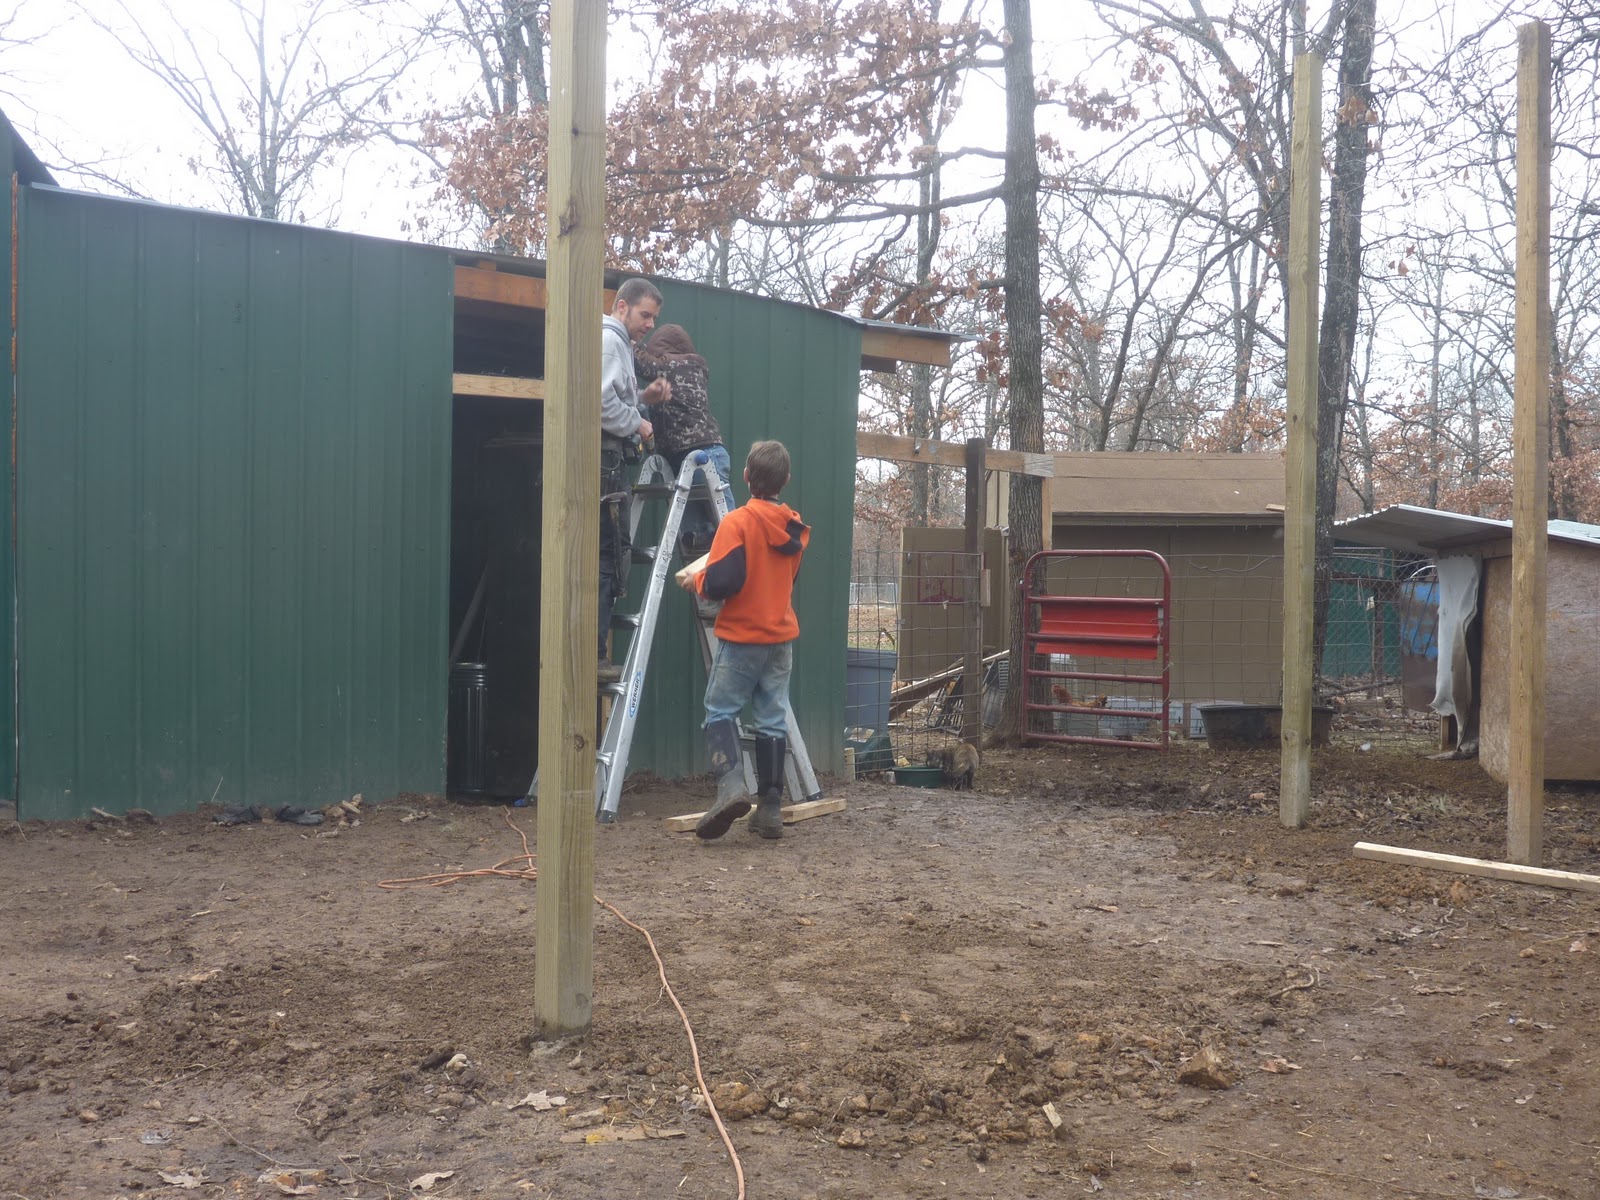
[[1458, 605]]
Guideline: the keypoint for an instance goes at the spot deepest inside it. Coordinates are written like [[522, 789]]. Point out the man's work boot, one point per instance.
[[727, 768], [608, 671], [768, 818]]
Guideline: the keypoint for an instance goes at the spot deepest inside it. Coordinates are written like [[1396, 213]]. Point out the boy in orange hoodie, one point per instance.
[[751, 569]]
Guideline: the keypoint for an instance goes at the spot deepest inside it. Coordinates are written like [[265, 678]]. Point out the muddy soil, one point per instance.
[[901, 999]]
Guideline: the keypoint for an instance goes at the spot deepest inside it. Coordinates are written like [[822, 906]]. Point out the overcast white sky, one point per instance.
[[76, 94]]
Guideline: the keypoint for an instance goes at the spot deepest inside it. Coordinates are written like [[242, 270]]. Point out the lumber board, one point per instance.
[[803, 811], [905, 346], [1300, 518], [881, 349], [907, 694], [1530, 451], [1487, 868], [950, 454], [511, 387]]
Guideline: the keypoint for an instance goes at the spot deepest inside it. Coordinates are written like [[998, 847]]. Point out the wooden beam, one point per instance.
[[881, 349], [905, 346], [511, 387], [803, 811], [949, 454], [563, 963], [1300, 520], [1515, 872], [499, 287], [1530, 451]]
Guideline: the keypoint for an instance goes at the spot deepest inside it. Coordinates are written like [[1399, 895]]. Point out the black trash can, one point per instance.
[[465, 767]]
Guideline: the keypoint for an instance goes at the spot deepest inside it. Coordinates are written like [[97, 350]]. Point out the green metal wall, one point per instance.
[[232, 510], [777, 371]]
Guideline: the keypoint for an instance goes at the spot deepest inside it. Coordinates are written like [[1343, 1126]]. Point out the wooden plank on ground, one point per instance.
[[1513, 872], [803, 811], [1530, 451], [511, 387]]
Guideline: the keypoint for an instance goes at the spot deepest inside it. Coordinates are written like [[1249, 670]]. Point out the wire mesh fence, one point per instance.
[[909, 693], [911, 608]]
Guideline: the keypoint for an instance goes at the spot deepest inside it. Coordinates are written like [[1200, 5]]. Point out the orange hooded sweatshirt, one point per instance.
[[754, 559]]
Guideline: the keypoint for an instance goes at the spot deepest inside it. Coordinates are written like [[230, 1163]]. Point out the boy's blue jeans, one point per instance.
[[700, 518], [757, 675]]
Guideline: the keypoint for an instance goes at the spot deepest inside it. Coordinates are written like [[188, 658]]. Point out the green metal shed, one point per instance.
[[246, 509]]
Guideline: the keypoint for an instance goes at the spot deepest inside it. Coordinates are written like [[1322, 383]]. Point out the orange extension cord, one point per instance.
[[527, 871]]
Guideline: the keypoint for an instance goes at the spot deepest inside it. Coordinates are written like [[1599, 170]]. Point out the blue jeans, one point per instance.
[[700, 518], [757, 675]]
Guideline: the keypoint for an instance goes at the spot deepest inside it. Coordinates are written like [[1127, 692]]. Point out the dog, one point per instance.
[[957, 762]]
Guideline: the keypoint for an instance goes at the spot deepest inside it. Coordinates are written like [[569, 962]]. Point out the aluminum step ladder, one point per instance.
[[656, 482]]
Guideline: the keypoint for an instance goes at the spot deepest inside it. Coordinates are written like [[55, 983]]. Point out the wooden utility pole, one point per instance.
[[972, 668], [1530, 453], [563, 964], [1300, 502]]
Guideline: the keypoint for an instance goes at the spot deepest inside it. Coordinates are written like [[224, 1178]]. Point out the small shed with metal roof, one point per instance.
[[1475, 684]]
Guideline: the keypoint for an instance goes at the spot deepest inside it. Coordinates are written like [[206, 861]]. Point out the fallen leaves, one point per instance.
[[540, 1101], [1209, 1069], [183, 1179], [425, 1183], [293, 1182], [619, 1133]]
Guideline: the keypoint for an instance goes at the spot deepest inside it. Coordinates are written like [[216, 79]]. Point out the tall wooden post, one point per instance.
[[1300, 502], [1530, 453], [563, 965], [972, 668]]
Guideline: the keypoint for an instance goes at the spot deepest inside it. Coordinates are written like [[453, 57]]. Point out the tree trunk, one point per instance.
[[1341, 307], [1024, 346]]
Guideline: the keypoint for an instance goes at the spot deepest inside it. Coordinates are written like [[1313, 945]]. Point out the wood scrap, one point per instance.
[[1511, 872], [803, 811]]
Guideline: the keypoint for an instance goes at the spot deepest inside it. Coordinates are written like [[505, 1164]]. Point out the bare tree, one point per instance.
[[281, 95]]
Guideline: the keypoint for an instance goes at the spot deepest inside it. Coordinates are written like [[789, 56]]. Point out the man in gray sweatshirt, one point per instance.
[[630, 321]]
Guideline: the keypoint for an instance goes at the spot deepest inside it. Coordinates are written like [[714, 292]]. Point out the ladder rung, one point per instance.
[[653, 491], [624, 620], [645, 554]]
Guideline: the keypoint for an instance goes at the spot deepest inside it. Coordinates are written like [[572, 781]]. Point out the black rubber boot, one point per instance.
[[727, 768], [768, 818]]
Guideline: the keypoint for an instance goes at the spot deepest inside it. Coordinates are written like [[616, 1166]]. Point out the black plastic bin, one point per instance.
[[465, 766]]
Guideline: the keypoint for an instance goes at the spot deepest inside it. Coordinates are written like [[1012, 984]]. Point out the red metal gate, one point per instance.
[[1118, 628]]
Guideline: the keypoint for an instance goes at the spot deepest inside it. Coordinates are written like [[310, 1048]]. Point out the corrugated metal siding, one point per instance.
[[233, 501], [791, 373], [8, 632]]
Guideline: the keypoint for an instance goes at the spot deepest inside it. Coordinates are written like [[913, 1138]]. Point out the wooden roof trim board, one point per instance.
[[1166, 484], [949, 454], [882, 348], [510, 387]]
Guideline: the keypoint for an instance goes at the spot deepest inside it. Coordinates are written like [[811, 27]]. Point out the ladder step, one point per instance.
[[645, 554], [624, 620], [652, 491]]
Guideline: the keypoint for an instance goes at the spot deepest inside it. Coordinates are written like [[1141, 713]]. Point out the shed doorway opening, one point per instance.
[[497, 459]]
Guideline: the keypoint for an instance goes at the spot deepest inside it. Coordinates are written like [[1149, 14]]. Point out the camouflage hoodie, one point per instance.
[[685, 422]]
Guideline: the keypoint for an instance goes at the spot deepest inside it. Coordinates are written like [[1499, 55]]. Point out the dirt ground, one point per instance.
[[887, 1000]]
